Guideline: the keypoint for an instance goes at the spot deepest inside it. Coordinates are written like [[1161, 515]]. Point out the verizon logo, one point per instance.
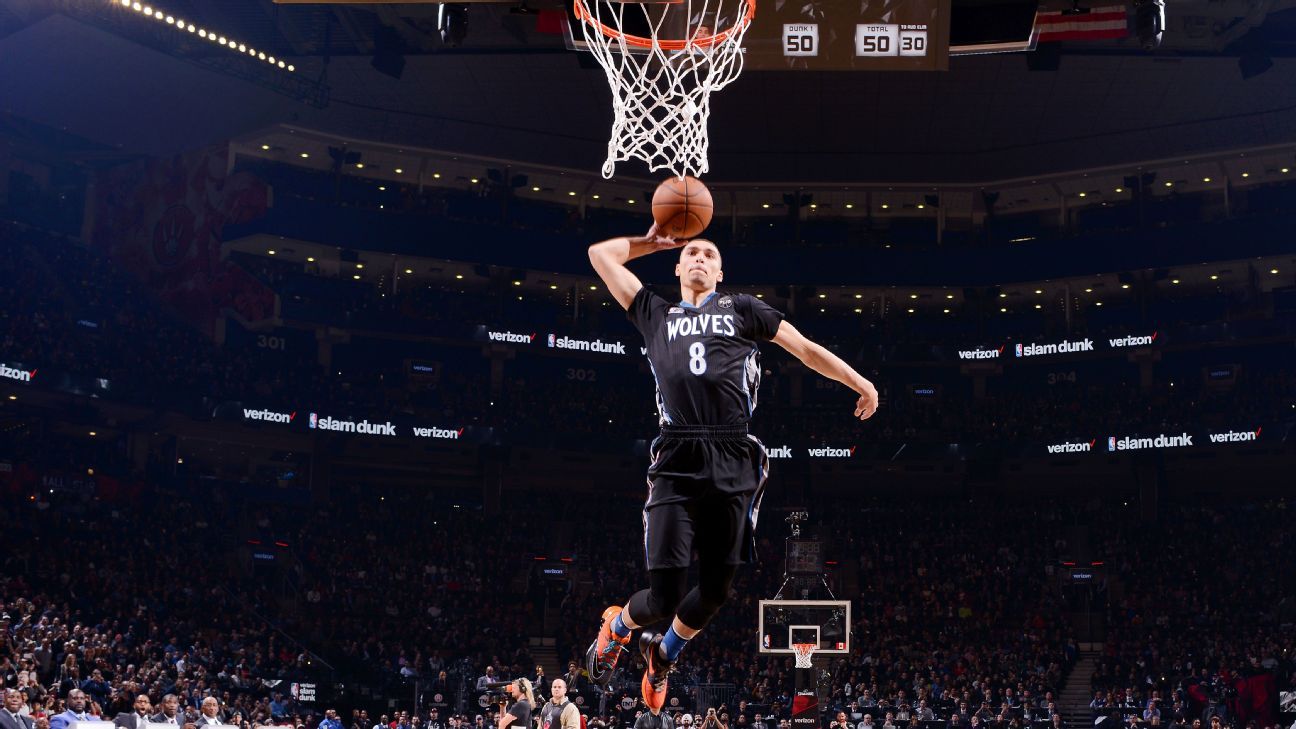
[[980, 353], [364, 427], [1035, 350], [16, 374], [268, 416], [442, 433], [1133, 341], [1235, 436], [1072, 447], [831, 452], [511, 337], [1161, 441], [780, 452]]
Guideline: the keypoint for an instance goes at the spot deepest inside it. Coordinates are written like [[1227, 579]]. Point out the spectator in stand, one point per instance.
[[10, 718], [170, 713], [330, 720], [211, 713], [136, 719], [78, 710]]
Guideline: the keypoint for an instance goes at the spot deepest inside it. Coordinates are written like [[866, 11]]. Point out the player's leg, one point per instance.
[[720, 551], [668, 537]]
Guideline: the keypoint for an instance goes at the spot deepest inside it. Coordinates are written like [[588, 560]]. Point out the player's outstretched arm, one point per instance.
[[610, 257], [829, 365]]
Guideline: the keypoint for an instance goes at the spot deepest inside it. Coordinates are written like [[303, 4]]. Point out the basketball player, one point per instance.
[[707, 472]]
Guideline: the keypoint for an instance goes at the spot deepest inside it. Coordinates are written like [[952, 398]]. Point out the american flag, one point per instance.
[[1102, 22]]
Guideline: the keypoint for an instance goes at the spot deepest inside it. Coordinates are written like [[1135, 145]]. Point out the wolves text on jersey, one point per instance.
[[700, 324]]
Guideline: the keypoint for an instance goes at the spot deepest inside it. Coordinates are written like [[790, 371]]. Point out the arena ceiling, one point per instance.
[[512, 92]]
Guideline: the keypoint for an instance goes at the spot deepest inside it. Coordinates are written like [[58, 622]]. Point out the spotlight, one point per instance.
[[1149, 22], [452, 21]]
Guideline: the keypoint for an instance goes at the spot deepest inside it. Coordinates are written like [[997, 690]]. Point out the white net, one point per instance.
[[663, 77], [804, 654]]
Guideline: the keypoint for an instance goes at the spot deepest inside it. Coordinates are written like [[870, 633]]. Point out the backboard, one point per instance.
[[823, 622]]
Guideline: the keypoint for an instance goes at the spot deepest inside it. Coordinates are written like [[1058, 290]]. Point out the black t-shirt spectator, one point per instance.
[[521, 712]]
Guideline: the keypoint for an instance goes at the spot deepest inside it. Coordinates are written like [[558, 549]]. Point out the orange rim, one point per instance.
[[637, 41]]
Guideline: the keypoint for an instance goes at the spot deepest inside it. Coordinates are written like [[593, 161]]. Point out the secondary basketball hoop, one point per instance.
[[662, 77], [804, 654]]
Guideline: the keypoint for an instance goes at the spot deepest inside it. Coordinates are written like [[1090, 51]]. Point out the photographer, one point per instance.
[[518, 714], [712, 721]]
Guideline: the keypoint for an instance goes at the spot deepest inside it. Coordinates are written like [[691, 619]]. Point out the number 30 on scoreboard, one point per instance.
[[800, 39]]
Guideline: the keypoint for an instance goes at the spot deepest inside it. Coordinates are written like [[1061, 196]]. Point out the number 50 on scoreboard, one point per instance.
[[800, 39]]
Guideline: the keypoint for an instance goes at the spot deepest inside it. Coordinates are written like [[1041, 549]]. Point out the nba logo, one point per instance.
[[1111, 443], [1019, 350], [551, 339], [314, 420]]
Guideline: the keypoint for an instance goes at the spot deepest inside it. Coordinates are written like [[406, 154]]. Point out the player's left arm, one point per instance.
[[819, 359]]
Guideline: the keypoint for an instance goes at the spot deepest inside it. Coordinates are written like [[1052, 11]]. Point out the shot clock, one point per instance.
[[883, 35]]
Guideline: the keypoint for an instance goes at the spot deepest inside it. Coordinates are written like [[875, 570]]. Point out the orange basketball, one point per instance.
[[682, 207]]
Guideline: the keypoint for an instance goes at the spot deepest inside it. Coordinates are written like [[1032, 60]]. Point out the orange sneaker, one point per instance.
[[653, 685], [601, 658]]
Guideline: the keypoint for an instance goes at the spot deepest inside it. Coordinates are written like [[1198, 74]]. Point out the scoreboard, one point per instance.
[[827, 35]]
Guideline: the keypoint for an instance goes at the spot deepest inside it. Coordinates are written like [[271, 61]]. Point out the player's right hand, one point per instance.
[[661, 241]]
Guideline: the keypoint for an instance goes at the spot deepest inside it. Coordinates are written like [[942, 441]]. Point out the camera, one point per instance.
[[495, 693]]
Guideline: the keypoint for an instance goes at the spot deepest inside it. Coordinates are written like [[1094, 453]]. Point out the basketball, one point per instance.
[[682, 207]]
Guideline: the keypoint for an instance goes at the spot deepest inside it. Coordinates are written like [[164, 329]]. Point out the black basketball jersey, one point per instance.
[[705, 359]]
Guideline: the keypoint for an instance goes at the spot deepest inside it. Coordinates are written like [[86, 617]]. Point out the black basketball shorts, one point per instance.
[[704, 492]]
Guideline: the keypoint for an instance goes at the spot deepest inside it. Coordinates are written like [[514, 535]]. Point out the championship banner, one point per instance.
[[162, 220]]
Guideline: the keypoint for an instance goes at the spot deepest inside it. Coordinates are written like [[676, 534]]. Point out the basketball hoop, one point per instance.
[[804, 654], [661, 86]]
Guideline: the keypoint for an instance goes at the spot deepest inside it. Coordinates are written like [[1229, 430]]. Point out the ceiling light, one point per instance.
[[270, 252], [1284, 170], [949, 296], [913, 296], [1003, 296], [1174, 280], [409, 270], [823, 296], [1082, 194], [535, 189], [1214, 277], [593, 288], [945, 310], [911, 311], [1205, 179], [1273, 271], [1124, 286], [13, 397], [921, 206], [1169, 184], [814, 206], [435, 175], [760, 296], [1120, 189], [885, 206], [630, 201], [850, 206], [359, 265], [1097, 303], [305, 155], [1039, 291], [310, 259], [1003, 310], [553, 287], [473, 180], [92, 433], [859, 311], [765, 206], [859, 296], [1039, 306], [359, 165], [265, 146], [1088, 291], [571, 193], [1246, 174], [356, 277], [517, 283], [595, 196], [400, 171], [459, 276], [382, 187]]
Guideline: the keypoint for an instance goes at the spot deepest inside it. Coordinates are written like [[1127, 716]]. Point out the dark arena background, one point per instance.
[[314, 414]]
